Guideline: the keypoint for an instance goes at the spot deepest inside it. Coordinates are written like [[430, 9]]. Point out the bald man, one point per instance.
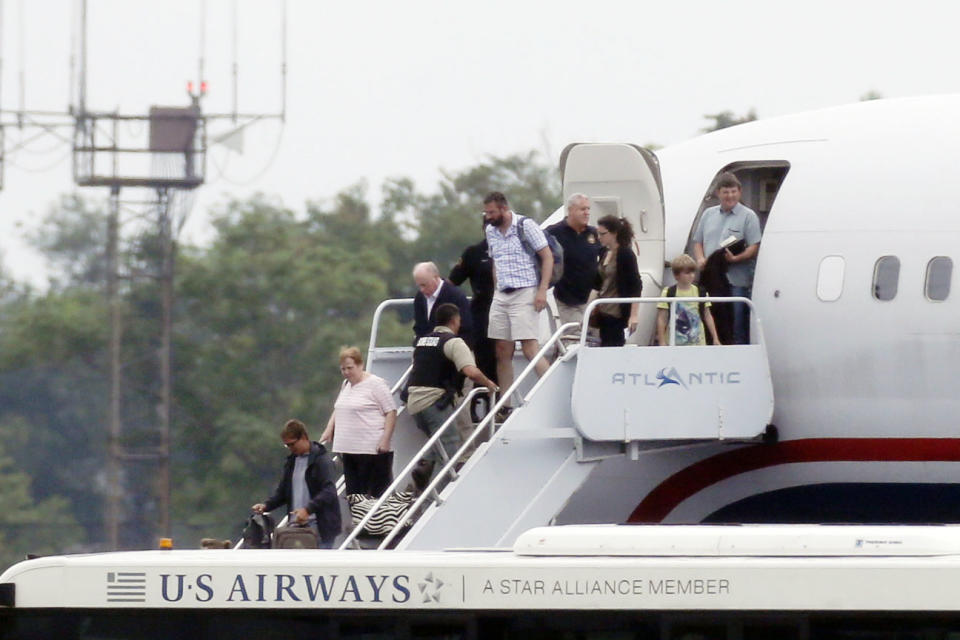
[[434, 291]]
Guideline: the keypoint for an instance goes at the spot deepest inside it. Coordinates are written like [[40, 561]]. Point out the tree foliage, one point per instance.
[[726, 119], [261, 312]]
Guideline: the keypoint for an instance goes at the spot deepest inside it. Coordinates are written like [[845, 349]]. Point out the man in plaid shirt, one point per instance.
[[520, 295]]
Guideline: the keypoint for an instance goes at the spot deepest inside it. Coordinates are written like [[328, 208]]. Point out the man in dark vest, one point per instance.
[[437, 359]]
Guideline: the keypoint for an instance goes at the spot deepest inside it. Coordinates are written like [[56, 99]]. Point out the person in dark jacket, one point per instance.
[[308, 486], [476, 265], [434, 291], [619, 278], [581, 248]]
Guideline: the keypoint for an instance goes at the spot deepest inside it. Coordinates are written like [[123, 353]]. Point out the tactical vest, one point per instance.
[[430, 367]]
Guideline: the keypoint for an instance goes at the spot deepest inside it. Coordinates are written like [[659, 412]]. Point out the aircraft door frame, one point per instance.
[[624, 180]]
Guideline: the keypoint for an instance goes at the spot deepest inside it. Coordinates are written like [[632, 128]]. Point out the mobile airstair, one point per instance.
[[593, 404]]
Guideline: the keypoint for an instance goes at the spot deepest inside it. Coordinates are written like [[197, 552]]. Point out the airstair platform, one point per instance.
[[657, 393], [593, 404]]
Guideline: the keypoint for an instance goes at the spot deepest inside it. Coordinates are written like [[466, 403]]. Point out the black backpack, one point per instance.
[[555, 248], [259, 531], [672, 293]]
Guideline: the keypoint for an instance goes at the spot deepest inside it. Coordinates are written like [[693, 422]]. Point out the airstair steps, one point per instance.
[[521, 478]]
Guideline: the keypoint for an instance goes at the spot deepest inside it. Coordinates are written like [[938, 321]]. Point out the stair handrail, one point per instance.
[[758, 338], [430, 489], [431, 442], [375, 324]]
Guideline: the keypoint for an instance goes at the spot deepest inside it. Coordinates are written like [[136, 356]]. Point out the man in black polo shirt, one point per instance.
[[581, 248]]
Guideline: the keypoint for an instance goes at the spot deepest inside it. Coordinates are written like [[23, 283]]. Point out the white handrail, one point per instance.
[[672, 302], [375, 325], [488, 419], [432, 441]]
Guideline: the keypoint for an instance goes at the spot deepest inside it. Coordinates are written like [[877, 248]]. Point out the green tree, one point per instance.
[[28, 525], [726, 119], [261, 312]]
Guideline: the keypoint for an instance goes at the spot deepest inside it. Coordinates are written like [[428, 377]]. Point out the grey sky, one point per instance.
[[380, 89]]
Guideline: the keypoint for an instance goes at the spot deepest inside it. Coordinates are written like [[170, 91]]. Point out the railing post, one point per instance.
[[375, 324], [673, 324]]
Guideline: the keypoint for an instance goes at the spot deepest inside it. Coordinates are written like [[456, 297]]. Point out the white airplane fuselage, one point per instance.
[[866, 393]]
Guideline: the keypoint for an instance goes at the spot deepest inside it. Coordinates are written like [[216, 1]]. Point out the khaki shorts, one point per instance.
[[571, 313], [512, 316]]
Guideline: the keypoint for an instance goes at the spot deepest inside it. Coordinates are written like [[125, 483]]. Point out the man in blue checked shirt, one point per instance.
[[519, 295]]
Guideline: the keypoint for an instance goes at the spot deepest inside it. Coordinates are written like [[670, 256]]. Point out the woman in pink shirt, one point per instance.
[[361, 427]]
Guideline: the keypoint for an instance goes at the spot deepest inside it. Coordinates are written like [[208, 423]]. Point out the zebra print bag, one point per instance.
[[388, 516]]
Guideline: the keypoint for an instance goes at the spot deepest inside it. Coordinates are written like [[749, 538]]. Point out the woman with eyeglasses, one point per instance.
[[361, 427], [618, 278]]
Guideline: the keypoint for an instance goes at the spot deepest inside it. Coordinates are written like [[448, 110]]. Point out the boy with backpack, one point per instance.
[[691, 316]]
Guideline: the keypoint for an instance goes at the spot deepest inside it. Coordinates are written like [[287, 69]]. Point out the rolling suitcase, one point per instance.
[[295, 537]]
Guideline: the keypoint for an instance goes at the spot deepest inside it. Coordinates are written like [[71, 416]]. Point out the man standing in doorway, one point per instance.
[[519, 295], [581, 248], [731, 219]]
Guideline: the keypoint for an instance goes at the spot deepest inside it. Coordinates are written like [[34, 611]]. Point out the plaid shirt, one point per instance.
[[515, 267]]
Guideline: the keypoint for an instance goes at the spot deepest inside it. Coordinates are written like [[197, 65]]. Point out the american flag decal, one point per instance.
[[126, 587]]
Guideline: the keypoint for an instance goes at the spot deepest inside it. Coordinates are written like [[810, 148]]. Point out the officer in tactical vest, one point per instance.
[[437, 359]]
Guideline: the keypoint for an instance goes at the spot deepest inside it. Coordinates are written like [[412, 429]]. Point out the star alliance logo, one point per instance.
[[430, 588]]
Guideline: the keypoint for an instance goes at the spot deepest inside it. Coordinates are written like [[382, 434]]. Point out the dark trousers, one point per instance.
[[741, 315], [611, 331], [485, 352], [368, 473]]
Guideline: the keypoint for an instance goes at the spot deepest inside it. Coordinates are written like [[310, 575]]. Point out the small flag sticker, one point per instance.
[[126, 586]]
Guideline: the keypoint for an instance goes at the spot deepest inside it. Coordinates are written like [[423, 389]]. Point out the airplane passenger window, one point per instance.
[[830, 278], [886, 276], [939, 272]]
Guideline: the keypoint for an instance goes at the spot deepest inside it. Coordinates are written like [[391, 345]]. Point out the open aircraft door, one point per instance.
[[624, 180]]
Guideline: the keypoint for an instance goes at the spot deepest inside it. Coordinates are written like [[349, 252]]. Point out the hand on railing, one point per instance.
[[451, 464]]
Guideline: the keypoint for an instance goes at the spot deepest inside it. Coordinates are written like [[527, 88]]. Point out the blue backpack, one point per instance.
[[555, 248]]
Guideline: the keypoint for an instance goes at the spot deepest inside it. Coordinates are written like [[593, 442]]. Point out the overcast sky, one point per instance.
[[379, 89]]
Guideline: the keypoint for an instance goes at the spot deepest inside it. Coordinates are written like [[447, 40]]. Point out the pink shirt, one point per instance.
[[358, 415]]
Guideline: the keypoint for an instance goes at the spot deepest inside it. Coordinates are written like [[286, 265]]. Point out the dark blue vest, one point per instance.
[[431, 368]]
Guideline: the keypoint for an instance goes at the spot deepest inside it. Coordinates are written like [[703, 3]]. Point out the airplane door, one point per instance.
[[624, 180]]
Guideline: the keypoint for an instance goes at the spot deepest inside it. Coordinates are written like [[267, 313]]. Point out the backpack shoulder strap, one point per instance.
[[672, 291], [522, 234]]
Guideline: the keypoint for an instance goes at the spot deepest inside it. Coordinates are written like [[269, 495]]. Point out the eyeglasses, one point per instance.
[[289, 445]]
